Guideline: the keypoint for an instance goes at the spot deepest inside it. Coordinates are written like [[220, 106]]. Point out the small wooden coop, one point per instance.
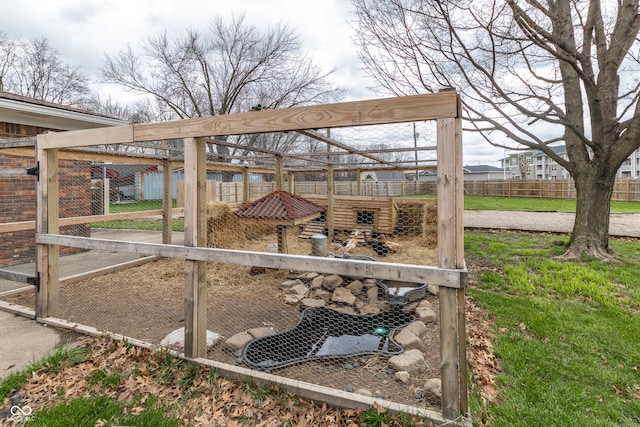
[[339, 154]]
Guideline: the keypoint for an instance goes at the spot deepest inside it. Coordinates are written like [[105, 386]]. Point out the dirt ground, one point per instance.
[[146, 303]]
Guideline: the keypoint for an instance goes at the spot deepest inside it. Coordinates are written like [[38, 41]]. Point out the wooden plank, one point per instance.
[[15, 276], [451, 255], [355, 113], [167, 201], [87, 137], [382, 270], [10, 227], [195, 236], [47, 256]]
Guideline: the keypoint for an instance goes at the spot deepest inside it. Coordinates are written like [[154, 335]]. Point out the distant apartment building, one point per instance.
[[535, 164]]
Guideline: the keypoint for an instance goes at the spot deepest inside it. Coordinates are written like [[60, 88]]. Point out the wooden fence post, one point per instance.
[[167, 201], [195, 226], [47, 213], [453, 368]]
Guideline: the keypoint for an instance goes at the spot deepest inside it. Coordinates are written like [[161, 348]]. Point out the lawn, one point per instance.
[[566, 333]]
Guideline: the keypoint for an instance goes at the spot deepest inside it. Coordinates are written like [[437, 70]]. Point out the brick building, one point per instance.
[[21, 119]]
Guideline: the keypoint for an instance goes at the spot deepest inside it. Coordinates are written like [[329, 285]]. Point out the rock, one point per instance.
[[373, 308], [426, 314], [372, 294], [312, 302], [239, 340], [299, 289], [433, 390], [408, 340], [311, 275], [262, 332], [175, 339], [343, 296], [425, 303], [332, 282], [364, 392], [344, 309], [417, 328], [370, 283], [411, 361], [410, 308], [292, 298], [316, 283], [320, 294], [403, 376], [355, 287], [288, 284], [433, 289]]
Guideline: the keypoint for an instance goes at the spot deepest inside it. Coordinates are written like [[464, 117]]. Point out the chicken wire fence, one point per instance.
[[344, 332]]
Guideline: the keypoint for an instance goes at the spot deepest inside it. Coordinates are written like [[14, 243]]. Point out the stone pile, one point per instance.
[[361, 296]]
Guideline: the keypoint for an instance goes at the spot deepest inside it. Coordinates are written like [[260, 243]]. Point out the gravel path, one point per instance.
[[561, 222]]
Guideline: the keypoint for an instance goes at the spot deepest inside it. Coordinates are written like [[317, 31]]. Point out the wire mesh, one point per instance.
[[341, 332]]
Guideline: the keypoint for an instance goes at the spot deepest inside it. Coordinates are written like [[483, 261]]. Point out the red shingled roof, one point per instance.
[[280, 207]]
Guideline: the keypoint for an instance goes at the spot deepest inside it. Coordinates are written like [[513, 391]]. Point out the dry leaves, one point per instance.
[[482, 361], [201, 399]]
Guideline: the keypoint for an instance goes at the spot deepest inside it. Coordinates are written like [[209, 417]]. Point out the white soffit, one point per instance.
[[12, 111]]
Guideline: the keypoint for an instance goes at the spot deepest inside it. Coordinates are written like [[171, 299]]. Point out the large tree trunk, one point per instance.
[[590, 236]]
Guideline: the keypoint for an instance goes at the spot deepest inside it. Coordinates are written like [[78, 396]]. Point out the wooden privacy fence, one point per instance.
[[232, 192], [623, 190]]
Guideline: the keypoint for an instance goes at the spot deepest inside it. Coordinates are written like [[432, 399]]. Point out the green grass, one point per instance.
[[63, 357], [534, 204], [144, 205], [86, 411], [138, 224], [566, 332]]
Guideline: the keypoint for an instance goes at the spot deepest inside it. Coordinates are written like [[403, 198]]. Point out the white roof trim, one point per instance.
[[13, 111]]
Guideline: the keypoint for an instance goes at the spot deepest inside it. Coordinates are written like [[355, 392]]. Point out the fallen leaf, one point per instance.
[[619, 390]]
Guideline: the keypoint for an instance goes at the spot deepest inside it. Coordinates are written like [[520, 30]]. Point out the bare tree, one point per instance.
[[230, 68], [34, 69], [7, 56], [535, 72]]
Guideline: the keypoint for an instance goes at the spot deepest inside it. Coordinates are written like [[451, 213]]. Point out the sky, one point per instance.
[[84, 31]]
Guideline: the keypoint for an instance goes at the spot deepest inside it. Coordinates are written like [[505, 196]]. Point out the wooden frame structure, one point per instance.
[[450, 273]]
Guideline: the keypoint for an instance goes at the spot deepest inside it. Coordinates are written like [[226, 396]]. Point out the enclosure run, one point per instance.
[[236, 144]]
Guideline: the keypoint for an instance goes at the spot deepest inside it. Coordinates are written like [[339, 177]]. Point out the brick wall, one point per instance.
[[18, 201]]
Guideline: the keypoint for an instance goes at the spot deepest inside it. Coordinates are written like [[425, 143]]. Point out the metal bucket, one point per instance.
[[319, 245]]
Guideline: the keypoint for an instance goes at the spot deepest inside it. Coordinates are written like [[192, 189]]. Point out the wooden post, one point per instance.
[[195, 225], [453, 368], [47, 256], [279, 173], [246, 191], [167, 201], [359, 182], [330, 201], [291, 182]]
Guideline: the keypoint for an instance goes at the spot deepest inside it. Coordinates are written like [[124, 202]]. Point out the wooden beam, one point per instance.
[[451, 255], [167, 201], [195, 219], [330, 201], [411, 273], [47, 213], [345, 114], [279, 173]]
